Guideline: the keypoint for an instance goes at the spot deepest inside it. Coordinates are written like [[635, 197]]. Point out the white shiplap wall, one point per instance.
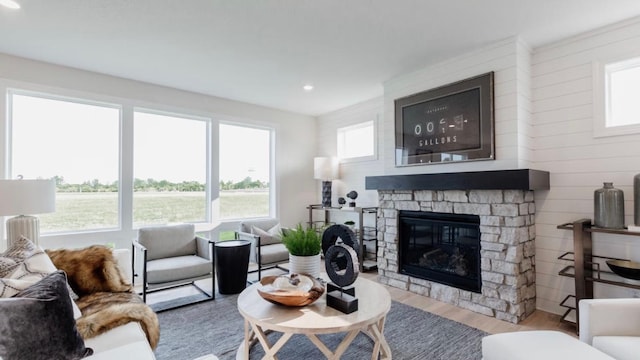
[[564, 143], [509, 60], [544, 120]]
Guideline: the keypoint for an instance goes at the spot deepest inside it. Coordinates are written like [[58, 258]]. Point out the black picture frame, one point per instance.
[[451, 123]]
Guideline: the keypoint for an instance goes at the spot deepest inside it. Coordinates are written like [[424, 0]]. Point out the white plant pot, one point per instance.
[[305, 265]]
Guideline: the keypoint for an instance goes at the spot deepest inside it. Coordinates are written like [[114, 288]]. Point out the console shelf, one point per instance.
[[586, 270]]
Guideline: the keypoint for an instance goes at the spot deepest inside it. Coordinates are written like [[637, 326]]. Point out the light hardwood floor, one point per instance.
[[539, 320]]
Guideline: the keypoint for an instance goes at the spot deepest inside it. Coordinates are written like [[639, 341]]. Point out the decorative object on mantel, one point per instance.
[[608, 204], [636, 201], [304, 247], [325, 169], [342, 201], [24, 198], [451, 123], [341, 263], [353, 195], [291, 289], [625, 268]]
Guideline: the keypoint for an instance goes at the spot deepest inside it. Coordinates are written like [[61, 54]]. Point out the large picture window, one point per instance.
[[77, 143], [170, 169], [245, 154]]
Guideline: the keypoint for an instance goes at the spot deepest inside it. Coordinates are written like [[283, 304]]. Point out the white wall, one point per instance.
[[295, 133], [562, 91]]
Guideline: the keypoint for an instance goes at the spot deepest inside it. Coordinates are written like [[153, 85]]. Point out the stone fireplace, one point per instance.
[[503, 202]]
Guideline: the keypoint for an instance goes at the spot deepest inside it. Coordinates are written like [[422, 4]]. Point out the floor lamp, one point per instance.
[[325, 169], [25, 198]]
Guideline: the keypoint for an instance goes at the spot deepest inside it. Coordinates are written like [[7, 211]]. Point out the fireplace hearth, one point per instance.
[[441, 247]]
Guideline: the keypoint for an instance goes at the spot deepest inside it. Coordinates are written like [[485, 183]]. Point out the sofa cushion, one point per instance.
[[270, 236], [38, 323], [177, 268], [619, 347], [126, 334], [535, 345], [138, 350], [168, 241]]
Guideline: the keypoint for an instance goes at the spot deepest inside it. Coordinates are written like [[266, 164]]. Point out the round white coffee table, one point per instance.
[[261, 316]]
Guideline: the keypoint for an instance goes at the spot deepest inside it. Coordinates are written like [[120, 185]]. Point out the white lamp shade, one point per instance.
[[325, 168], [27, 197]]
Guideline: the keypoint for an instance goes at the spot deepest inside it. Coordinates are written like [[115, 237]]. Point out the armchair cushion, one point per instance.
[[177, 268], [275, 253], [168, 241], [608, 317], [264, 224], [268, 237]]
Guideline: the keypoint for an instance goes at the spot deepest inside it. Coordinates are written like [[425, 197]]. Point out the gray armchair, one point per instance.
[[173, 256], [267, 251]]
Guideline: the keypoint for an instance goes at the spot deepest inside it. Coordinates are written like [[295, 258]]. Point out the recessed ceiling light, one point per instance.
[[308, 87], [10, 4]]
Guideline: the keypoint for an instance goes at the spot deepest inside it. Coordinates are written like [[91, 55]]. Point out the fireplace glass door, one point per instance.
[[441, 247]]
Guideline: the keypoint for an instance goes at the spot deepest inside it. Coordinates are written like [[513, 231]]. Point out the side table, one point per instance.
[[232, 265]]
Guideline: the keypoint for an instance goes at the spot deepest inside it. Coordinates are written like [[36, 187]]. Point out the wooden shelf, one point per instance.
[[585, 270]]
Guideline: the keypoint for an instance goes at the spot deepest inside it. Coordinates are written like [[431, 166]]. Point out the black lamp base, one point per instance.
[[326, 193]]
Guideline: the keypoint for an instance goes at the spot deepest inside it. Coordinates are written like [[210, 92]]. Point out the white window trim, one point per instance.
[[355, 126], [601, 93]]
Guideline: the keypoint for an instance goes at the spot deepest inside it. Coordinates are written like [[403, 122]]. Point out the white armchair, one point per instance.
[[611, 326], [267, 249]]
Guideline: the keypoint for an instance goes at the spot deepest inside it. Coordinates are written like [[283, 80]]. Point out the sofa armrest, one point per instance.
[[123, 259], [608, 317]]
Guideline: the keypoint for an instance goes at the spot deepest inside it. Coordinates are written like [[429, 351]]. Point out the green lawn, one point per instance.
[[83, 211]]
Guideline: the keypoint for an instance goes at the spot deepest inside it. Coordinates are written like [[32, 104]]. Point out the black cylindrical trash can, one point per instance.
[[232, 265]]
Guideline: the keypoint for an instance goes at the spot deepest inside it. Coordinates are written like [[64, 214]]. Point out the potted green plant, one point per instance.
[[304, 247]]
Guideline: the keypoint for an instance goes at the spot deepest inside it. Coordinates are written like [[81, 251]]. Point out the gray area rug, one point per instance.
[[217, 327]]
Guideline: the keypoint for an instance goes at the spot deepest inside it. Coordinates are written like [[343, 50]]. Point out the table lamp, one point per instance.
[[24, 198], [325, 169]]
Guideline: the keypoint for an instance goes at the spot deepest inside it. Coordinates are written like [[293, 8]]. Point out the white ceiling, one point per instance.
[[264, 51]]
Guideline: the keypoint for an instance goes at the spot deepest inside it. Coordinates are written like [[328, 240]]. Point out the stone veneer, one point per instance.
[[507, 248]]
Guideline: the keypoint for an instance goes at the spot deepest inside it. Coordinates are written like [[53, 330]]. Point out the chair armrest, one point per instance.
[[255, 242], [203, 247], [608, 317], [137, 245]]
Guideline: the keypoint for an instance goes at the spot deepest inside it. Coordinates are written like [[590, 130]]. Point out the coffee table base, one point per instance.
[[254, 333]]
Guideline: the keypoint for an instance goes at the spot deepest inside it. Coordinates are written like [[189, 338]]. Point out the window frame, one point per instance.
[[602, 93], [340, 131], [125, 142]]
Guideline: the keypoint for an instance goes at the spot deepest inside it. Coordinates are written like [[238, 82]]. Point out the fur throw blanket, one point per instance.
[[106, 297]]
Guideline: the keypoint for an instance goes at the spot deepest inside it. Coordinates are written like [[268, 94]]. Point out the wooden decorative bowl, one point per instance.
[[291, 289]]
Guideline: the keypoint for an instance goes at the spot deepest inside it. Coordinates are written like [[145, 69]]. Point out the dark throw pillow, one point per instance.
[[38, 324]]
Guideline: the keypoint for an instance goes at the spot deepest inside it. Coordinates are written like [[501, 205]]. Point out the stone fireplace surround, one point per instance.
[[504, 202]]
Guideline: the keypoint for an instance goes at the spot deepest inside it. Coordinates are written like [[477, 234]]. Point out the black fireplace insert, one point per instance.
[[441, 247]]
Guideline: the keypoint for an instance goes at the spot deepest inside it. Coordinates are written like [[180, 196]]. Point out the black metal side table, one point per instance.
[[232, 265]]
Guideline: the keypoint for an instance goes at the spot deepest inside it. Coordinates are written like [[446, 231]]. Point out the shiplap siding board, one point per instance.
[[564, 145]]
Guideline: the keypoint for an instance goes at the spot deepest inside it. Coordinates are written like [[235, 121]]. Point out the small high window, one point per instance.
[[357, 142], [618, 109]]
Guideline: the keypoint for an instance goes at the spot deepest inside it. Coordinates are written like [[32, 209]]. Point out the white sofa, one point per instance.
[[612, 326], [609, 330], [124, 342]]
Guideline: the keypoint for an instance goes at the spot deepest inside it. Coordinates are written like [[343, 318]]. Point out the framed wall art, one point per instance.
[[450, 123]]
